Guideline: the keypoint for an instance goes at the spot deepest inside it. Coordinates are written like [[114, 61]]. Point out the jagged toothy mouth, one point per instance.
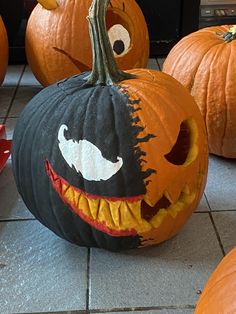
[[115, 216]]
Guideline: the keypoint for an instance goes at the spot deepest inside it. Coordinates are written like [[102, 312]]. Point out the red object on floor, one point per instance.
[[5, 147]]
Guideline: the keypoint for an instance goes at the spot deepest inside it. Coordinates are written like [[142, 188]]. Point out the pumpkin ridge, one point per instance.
[[226, 104], [219, 105]]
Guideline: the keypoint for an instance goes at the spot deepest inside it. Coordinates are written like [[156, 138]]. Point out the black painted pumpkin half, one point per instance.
[[111, 159]]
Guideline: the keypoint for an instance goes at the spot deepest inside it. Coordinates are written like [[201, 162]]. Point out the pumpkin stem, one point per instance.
[[231, 34], [104, 70]]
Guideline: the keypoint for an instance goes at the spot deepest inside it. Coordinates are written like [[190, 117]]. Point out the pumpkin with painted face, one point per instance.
[[108, 158], [3, 51], [57, 38]]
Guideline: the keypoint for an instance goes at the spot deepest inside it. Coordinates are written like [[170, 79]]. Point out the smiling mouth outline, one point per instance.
[[116, 216]]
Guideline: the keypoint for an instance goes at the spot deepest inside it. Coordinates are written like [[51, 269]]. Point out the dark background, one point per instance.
[[168, 22]]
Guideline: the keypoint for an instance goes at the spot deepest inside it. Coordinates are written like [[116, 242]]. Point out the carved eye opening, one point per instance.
[[185, 149], [119, 32]]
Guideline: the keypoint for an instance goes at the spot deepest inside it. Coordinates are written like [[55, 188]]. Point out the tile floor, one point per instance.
[[40, 272]]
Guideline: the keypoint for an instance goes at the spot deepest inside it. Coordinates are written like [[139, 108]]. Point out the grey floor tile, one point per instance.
[[226, 225], [39, 271], [23, 96], [13, 75], [160, 62], [10, 125], [152, 64], [221, 184], [28, 78], [12, 206], [169, 274], [203, 206], [6, 95]]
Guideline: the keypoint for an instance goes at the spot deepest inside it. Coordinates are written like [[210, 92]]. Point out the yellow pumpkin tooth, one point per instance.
[[115, 212], [68, 193], [76, 198], [48, 4], [167, 195], [190, 198], [84, 206], [186, 189], [147, 200], [64, 187], [173, 194], [128, 220], [104, 214], [157, 219], [174, 209], [94, 207], [135, 209]]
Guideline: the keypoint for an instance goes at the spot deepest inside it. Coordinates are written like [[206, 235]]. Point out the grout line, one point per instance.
[[13, 96], [218, 210], [141, 308], [88, 279], [59, 312], [208, 204], [10, 117], [16, 219], [124, 309], [223, 210], [159, 67], [217, 234]]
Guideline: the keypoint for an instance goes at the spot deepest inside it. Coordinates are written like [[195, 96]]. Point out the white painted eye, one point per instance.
[[86, 158], [119, 39]]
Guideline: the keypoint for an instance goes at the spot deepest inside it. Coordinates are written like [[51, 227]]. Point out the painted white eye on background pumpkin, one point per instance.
[[119, 39], [61, 46]]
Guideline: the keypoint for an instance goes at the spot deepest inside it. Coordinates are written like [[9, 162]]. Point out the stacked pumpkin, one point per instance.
[[108, 158], [219, 294], [57, 37], [204, 62], [3, 51]]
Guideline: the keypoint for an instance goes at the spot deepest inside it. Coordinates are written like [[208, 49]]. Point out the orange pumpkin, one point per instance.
[[204, 62], [3, 51], [57, 38], [219, 294]]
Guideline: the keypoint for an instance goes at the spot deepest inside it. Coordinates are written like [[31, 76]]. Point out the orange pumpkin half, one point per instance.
[[57, 38], [219, 294], [3, 51], [204, 62]]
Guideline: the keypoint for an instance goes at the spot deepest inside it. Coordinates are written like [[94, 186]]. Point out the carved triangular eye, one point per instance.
[[184, 145]]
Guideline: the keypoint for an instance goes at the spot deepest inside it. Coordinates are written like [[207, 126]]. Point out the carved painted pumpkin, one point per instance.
[[57, 39], [3, 51], [204, 62], [219, 294], [109, 158]]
